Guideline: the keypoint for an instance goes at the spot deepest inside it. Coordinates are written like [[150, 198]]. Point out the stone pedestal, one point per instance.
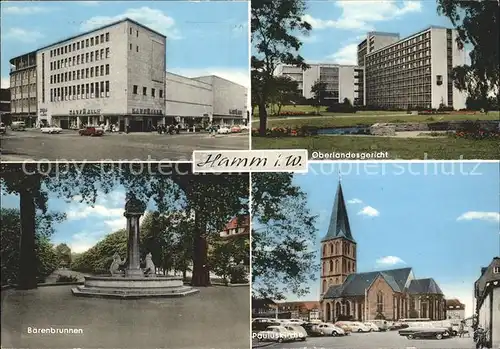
[[133, 254]]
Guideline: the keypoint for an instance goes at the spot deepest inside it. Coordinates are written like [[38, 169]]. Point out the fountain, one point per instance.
[[133, 282]]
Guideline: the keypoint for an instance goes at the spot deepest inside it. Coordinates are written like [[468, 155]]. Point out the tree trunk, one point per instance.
[[27, 273], [279, 110], [201, 272], [262, 119]]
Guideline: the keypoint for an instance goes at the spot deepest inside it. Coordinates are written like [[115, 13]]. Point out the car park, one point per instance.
[[51, 129], [91, 131]]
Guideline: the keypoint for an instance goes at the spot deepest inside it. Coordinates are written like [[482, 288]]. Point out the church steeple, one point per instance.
[[338, 255], [339, 221]]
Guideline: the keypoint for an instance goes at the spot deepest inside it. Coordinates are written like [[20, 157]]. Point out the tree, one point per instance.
[[283, 237], [285, 90], [45, 256], [318, 89], [63, 254], [275, 25], [347, 102], [478, 25], [228, 254]]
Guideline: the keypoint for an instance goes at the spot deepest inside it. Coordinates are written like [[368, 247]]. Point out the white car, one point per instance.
[[276, 334], [51, 129], [372, 326], [224, 130], [358, 327], [295, 321], [298, 330], [330, 330]]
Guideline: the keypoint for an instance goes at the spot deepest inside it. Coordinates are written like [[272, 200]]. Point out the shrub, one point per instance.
[[64, 278], [238, 275]]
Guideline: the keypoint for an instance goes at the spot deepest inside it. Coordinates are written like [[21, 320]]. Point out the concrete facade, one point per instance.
[[342, 81], [23, 87], [111, 75], [414, 71]]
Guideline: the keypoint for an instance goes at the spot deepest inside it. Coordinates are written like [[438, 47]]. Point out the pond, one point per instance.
[[354, 130]]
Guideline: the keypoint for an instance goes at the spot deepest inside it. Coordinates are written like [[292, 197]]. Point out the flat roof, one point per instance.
[[126, 19], [218, 77], [406, 38], [383, 34]]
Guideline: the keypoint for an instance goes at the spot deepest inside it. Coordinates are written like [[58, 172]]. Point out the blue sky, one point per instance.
[[339, 26], [202, 37], [442, 219]]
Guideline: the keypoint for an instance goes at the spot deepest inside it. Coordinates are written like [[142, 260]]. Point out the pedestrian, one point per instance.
[[177, 128], [461, 329]]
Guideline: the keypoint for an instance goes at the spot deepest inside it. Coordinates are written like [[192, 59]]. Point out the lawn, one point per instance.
[[398, 148]]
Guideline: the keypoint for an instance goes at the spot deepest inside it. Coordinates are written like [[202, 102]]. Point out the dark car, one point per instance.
[[91, 131], [415, 332], [312, 329]]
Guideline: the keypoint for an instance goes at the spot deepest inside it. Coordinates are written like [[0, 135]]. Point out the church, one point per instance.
[[384, 294]]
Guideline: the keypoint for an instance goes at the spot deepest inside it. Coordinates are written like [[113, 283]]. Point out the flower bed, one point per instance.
[[287, 132], [477, 134], [297, 113]]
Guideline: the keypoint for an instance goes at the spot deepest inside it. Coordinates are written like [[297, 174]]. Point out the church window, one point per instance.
[[331, 266], [337, 266], [380, 302], [336, 280], [331, 248], [324, 286]]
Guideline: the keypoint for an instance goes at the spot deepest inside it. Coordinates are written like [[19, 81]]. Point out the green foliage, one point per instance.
[[275, 26], [47, 260], [64, 255], [283, 239], [284, 91], [477, 23], [318, 90], [228, 258]]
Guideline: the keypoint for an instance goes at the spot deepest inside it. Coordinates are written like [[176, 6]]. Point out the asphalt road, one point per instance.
[[374, 340], [217, 317], [34, 145]]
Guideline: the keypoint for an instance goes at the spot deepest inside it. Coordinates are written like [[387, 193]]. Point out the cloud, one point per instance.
[[22, 35], [82, 211], [354, 201], [389, 261], [116, 224], [5, 82], [345, 55], [357, 15], [482, 216], [88, 3], [26, 10], [152, 18], [308, 39], [369, 211], [81, 242]]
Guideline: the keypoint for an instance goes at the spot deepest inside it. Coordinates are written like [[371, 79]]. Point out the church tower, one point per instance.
[[338, 248]]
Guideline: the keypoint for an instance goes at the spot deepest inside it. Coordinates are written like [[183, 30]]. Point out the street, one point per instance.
[[32, 145], [373, 340]]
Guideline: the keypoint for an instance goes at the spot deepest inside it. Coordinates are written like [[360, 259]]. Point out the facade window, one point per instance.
[[137, 33], [107, 69], [74, 46], [107, 88], [87, 90], [78, 59], [130, 30], [496, 270], [130, 45], [144, 91], [74, 75], [87, 73], [91, 72], [87, 57], [102, 88], [78, 45], [135, 89], [153, 92], [65, 77], [107, 37], [97, 55], [86, 42], [102, 38], [91, 57], [69, 48], [97, 90], [102, 70], [380, 302], [97, 40], [91, 41], [92, 90], [107, 52], [137, 48], [78, 74], [161, 93], [97, 71]]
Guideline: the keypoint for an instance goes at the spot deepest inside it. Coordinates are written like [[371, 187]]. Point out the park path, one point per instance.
[[52, 278]]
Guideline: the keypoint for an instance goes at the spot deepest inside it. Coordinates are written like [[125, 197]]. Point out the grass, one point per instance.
[[398, 148]]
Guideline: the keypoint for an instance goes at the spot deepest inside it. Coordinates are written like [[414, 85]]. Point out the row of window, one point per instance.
[[23, 103], [135, 91], [382, 63], [84, 91], [336, 248], [80, 45], [31, 88], [347, 267], [403, 45], [83, 58], [80, 74], [18, 77]]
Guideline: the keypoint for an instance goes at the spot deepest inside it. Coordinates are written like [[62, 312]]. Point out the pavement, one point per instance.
[[217, 317], [34, 145], [373, 340]]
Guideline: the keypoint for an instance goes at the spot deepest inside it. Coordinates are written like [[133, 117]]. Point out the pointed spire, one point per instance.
[[339, 221]]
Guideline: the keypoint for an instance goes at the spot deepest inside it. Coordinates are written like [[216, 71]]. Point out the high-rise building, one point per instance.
[[342, 81], [414, 71], [373, 42]]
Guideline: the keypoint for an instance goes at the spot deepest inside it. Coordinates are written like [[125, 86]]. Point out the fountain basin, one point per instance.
[[133, 287]]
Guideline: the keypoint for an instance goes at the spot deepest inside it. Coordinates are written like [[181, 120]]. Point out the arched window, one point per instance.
[[324, 286], [331, 248], [344, 267], [337, 266], [331, 266], [336, 280], [380, 302]]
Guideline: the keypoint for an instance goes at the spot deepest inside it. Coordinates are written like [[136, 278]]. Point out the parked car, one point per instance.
[[235, 129], [372, 327], [301, 332], [344, 325], [331, 330], [3, 128], [382, 325], [295, 321], [224, 130], [276, 334], [18, 126], [91, 131], [51, 129], [260, 324], [423, 332], [312, 329], [212, 128], [358, 326]]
